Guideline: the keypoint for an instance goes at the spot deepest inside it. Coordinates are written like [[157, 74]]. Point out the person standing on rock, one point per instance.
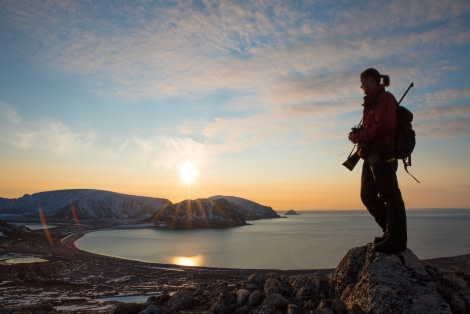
[[376, 142]]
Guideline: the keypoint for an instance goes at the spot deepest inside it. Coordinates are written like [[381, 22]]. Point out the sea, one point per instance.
[[311, 240]]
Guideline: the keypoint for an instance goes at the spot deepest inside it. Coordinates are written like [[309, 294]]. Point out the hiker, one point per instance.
[[376, 145]]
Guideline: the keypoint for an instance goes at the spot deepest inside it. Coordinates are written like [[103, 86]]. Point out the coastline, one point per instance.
[[74, 280]]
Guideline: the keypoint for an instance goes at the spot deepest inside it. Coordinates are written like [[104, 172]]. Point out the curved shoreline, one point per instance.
[[74, 280], [69, 242]]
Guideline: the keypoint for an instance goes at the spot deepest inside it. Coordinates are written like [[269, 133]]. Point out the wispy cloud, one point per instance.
[[445, 97], [154, 51], [47, 135], [167, 153], [457, 127], [446, 114]]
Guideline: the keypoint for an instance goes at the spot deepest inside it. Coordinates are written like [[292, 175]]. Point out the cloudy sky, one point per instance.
[[253, 98]]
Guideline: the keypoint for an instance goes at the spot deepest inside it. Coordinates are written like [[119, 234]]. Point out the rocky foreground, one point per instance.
[[73, 281]]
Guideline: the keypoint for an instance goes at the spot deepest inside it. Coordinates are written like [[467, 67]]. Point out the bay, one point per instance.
[[312, 240]]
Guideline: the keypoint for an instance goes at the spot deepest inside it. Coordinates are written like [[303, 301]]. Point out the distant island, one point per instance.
[[291, 212]]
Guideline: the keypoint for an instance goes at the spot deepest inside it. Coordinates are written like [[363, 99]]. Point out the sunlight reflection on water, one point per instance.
[[307, 241], [197, 260]]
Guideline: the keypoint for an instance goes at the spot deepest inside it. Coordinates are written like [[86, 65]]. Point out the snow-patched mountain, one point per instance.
[[214, 212], [200, 213], [249, 209], [84, 203]]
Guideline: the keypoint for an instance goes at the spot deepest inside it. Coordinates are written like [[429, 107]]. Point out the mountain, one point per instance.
[[249, 209], [200, 213], [84, 203]]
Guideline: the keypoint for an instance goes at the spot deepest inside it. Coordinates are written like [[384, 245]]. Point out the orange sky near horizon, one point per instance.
[[298, 194]]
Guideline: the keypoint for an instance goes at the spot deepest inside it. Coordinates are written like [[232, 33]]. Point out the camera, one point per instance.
[[353, 159], [351, 162]]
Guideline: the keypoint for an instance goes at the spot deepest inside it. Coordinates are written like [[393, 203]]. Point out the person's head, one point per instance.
[[370, 78]]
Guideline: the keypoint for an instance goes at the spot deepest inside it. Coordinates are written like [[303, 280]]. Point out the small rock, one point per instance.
[[277, 301], [272, 285], [294, 309], [242, 297], [255, 298], [128, 308], [159, 299]]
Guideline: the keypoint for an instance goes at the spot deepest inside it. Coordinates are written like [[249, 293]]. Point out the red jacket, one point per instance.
[[379, 118]]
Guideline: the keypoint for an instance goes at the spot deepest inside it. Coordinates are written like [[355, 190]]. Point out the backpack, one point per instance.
[[405, 137]]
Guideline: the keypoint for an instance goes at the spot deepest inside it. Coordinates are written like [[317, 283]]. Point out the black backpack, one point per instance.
[[405, 137]]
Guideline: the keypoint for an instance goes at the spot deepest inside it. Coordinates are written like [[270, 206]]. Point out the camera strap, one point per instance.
[[406, 163]]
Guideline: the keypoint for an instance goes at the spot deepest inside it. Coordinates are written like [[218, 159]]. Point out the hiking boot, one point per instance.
[[379, 239], [388, 246]]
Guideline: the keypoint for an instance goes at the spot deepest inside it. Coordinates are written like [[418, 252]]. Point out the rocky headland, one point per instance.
[[69, 280], [215, 212]]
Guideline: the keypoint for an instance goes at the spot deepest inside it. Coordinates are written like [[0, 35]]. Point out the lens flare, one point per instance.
[[44, 225], [75, 215]]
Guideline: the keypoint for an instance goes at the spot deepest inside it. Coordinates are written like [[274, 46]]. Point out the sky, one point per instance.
[[253, 99]]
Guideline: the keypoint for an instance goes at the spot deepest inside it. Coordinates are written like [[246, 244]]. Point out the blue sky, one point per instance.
[[258, 96]]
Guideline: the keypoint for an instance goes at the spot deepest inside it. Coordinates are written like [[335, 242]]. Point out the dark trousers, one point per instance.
[[382, 197]]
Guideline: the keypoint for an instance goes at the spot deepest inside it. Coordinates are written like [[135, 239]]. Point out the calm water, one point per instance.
[[307, 241]]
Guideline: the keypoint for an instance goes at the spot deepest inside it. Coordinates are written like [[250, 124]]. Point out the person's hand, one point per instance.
[[353, 137]]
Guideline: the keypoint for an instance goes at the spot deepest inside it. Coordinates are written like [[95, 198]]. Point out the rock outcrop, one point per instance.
[[396, 283], [200, 213], [363, 282], [13, 232]]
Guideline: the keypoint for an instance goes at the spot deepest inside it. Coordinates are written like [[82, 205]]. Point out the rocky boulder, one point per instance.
[[396, 283]]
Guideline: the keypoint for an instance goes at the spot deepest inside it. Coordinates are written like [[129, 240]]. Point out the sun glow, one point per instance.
[[188, 173]]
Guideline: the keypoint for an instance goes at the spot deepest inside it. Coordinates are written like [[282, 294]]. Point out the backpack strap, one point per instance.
[[406, 164]]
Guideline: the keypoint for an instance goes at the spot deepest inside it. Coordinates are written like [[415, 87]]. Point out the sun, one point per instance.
[[188, 173]]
